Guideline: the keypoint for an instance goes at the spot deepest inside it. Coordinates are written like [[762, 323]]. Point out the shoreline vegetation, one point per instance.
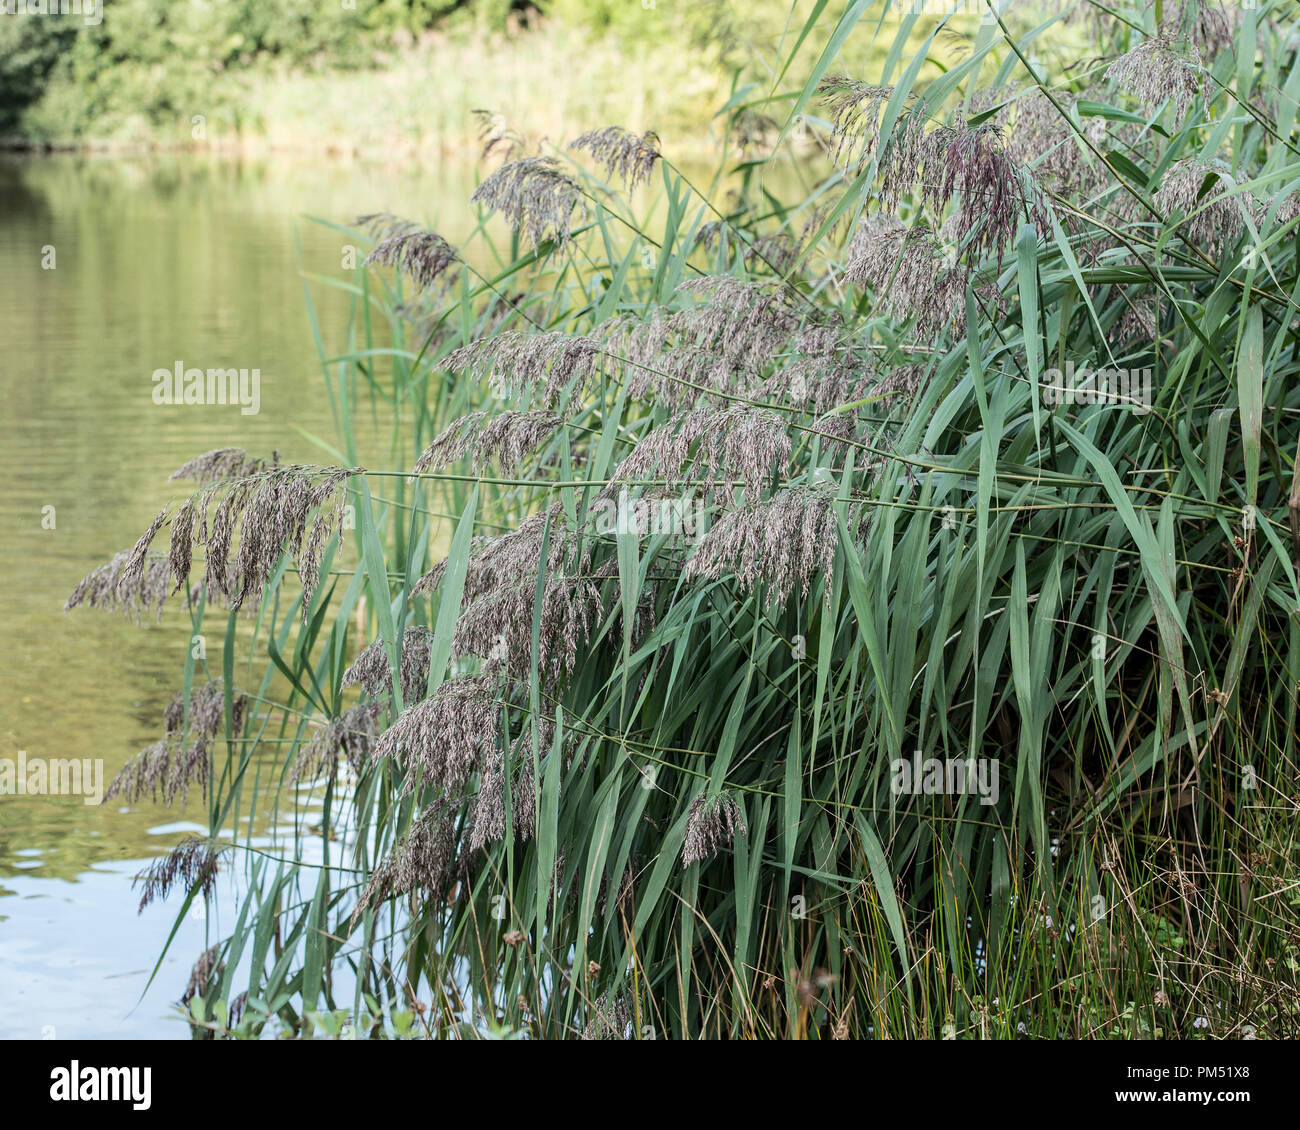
[[345, 89], [357, 90], [731, 638]]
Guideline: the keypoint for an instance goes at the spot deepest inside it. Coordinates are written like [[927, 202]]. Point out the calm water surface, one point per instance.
[[156, 260]]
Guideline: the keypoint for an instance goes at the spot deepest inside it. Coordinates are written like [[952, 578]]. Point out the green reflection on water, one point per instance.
[[156, 260]]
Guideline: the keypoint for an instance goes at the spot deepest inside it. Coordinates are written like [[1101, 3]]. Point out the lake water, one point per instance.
[[155, 260]]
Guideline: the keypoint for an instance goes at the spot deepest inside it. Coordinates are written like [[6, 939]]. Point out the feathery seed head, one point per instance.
[[783, 541], [1289, 209], [370, 670], [516, 361], [168, 767], [205, 969], [349, 737], [855, 109], [103, 586], [193, 862], [507, 437], [534, 197], [1156, 71], [1192, 186], [424, 861], [424, 255], [220, 464], [909, 272], [274, 510], [712, 823], [445, 738], [610, 1019], [629, 156]]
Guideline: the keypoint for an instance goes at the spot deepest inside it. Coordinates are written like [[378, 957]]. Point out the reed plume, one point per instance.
[[167, 768], [447, 737], [1202, 192], [783, 542], [746, 322], [629, 156], [423, 255], [609, 1018], [534, 197], [1039, 135], [910, 274], [487, 818], [1289, 209], [515, 362], [712, 823], [1156, 71], [285, 509], [194, 862], [971, 166], [371, 671], [220, 464], [207, 968], [708, 443], [107, 587], [510, 557], [506, 438], [494, 133], [349, 738], [498, 626], [963, 167], [424, 860], [855, 108]]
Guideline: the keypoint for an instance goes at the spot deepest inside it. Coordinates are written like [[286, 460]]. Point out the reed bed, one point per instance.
[[777, 622]]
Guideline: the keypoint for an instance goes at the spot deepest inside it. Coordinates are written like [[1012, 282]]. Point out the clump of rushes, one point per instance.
[[742, 523]]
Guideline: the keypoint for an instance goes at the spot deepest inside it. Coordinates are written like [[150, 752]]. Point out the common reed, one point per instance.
[[625, 754]]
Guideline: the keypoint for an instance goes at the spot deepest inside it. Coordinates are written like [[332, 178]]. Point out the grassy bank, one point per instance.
[[219, 77], [369, 76]]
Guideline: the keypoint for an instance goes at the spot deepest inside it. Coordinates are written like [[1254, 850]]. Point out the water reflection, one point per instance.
[[153, 261]]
